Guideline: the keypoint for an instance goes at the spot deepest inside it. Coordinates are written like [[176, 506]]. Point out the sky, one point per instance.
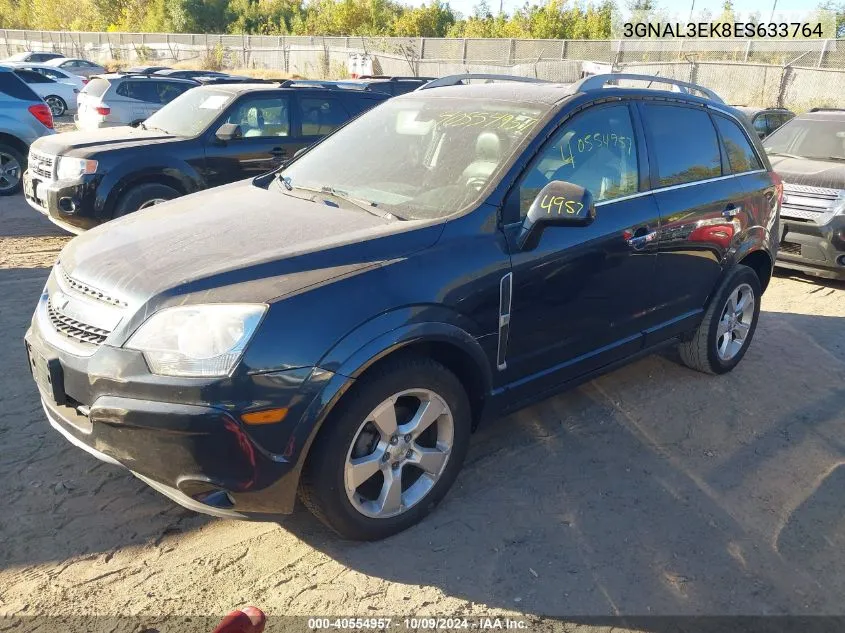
[[742, 7]]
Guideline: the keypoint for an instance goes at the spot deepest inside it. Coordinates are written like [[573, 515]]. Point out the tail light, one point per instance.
[[85, 81], [41, 111], [103, 110], [778, 186]]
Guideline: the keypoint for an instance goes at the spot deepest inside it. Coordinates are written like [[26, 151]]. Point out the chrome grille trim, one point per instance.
[[89, 291], [807, 203], [41, 164], [73, 329]]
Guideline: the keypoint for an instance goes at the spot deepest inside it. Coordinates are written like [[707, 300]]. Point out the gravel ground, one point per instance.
[[653, 490]]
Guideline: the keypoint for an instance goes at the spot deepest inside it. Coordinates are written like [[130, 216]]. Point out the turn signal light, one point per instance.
[[268, 416], [41, 111]]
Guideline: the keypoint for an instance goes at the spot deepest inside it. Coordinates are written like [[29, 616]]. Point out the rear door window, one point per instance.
[[684, 143], [12, 86], [32, 77], [97, 87], [140, 91], [320, 115], [741, 154]]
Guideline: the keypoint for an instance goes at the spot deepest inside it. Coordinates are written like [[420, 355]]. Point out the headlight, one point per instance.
[[74, 167], [839, 205], [199, 340]]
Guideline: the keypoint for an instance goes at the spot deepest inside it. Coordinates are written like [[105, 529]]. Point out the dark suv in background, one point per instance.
[[209, 136], [339, 328], [809, 155]]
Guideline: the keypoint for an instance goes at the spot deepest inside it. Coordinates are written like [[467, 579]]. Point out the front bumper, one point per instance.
[[814, 249], [184, 437], [68, 204]]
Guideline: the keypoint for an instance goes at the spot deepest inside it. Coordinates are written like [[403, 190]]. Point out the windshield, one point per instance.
[[809, 138], [190, 113], [419, 158]]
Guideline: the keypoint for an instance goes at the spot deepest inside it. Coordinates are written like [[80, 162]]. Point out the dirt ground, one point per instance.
[[653, 490]]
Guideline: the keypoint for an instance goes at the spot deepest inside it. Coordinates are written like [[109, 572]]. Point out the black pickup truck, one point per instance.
[[209, 136]]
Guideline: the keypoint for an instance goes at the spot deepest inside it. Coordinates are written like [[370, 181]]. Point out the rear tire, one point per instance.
[[12, 166], [723, 336], [57, 105], [367, 511], [144, 196]]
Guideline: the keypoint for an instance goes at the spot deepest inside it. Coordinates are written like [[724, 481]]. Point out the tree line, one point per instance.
[[555, 19]]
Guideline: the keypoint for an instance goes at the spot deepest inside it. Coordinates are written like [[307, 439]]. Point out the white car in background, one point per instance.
[[77, 66], [57, 74], [60, 96]]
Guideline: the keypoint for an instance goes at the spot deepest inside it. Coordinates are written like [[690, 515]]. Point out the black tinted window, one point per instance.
[[139, 90], [14, 87], [684, 143], [320, 115], [32, 77], [741, 154]]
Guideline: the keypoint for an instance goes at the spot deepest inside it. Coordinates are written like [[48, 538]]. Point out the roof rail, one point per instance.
[[457, 80], [396, 78], [315, 83], [597, 82], [827, 109]]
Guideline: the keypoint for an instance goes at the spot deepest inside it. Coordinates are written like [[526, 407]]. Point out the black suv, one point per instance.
[[809, 155], [208, 136], [338, 328]]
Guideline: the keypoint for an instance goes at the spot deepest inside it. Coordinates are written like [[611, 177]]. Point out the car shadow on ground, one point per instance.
[[653, 490]]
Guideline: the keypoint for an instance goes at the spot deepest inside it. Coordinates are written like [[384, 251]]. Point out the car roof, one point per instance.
[[823, 115], [144, 76], [37, 65], [238, 88], [545, 93], [751, 110]]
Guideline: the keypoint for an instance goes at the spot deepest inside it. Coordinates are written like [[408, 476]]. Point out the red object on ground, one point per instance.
[[247, 620]]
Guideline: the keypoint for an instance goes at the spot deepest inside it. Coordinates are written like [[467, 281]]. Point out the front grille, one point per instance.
[[89, 291], [41, 164], [808, 204], [73, 329], [790, 247]]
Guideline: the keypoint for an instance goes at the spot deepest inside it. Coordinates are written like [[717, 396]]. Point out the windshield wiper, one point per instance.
[[147, 128], [836, 158], [366, 205]]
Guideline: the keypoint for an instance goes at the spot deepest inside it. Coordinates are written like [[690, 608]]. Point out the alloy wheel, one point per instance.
[[57, 107], [151, 203], [10, 171], [399, 453], [735, 322]]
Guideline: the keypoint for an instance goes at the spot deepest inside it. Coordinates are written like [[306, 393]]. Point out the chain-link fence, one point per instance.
[[795, 73]]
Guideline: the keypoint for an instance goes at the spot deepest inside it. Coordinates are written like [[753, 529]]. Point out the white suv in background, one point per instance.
[[125, 99]]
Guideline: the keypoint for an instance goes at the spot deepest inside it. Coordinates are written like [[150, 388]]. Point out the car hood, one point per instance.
[[240, 242], [85, 143], [808, 171]]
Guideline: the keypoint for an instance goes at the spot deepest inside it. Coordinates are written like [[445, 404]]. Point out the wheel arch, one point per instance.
[[181, 178], [14, 142], [761, 263]]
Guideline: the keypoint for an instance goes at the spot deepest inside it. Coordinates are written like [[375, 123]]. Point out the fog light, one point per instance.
[[67, 205], [841, 260]]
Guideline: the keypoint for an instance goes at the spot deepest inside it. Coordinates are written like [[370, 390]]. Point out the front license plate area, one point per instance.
[[47, 374]]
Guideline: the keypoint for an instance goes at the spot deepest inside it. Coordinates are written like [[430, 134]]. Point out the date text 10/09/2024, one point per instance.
[[421, 623]]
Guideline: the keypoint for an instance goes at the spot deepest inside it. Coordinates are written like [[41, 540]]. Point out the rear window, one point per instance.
[[741, 154], [97, 87], [14, 87], [684, 143]]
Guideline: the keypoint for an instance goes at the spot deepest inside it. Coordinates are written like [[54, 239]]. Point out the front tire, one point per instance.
[[57, 105], [725, 333], [144, 196], [390, 451], [12, 166]]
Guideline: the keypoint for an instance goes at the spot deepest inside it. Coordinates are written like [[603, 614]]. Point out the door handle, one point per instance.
[[638, 242], [731, 211]]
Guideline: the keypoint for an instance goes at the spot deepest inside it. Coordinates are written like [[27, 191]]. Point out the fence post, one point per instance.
[[821, 55], [511, 51], [747, 50], [464, 53], [563, 49]]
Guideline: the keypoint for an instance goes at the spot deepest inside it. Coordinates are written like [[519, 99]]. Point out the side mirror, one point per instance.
[[228, 132], [559, 203]]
